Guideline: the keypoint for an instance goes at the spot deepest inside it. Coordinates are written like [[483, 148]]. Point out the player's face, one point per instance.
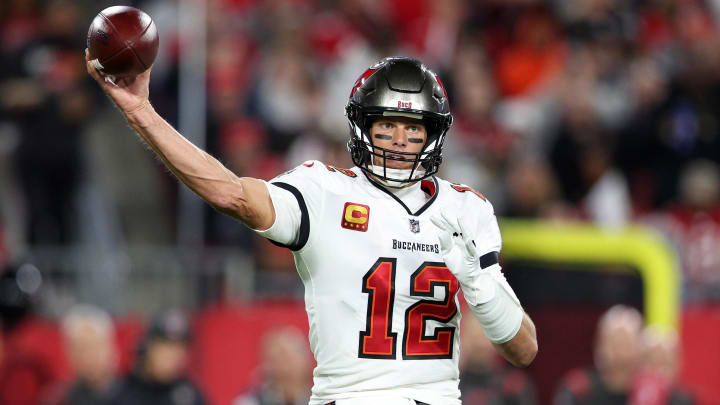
[[399, 134]]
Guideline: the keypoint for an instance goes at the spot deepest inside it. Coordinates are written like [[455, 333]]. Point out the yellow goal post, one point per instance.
[[576, 243]]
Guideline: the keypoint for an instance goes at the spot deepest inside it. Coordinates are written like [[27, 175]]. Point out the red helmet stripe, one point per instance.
[[441, 85], [359, 82]]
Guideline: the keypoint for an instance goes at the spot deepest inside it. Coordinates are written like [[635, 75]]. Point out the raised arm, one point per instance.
[[244, 198]]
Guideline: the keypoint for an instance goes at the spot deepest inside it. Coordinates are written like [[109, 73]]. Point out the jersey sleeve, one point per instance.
[[295, 194], [487, 231], [480, 215], [288, 217]]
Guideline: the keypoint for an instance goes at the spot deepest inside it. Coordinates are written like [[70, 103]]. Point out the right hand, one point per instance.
[[128, 93]]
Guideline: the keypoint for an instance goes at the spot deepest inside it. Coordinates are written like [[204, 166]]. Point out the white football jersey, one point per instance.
[[382, 307]]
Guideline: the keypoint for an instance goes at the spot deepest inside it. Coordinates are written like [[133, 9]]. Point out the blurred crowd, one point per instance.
[[633, 365], [158, 374]]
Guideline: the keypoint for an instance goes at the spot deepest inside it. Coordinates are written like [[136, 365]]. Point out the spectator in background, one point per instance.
[[484, 378], [20, 24], [89, 338], [534, 58], [45, 100], [692, 223], [656, 383], [582, 150], [633, 366], [648, 177], [24, 377], [532, 191], [287, 93], [433, 35], [159, 376], [26, 372], [618, 356], [681, 125], [480, 146], [286, 371], [16, 305]]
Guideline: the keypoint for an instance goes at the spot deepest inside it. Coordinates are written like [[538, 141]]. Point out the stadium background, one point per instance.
[[595, 112]]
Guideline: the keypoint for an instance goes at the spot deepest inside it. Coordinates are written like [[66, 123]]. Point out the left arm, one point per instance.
[[521, 349], [489, 296]]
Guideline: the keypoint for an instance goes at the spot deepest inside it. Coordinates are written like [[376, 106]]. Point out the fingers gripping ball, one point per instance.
[[123, 41]]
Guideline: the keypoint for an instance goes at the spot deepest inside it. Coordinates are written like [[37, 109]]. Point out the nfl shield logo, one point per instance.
[[414, 225]]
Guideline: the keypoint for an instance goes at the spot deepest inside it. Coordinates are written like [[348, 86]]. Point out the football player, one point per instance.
[[382, 248]]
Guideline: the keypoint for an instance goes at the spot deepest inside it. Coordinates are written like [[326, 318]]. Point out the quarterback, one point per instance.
[[383, 248]]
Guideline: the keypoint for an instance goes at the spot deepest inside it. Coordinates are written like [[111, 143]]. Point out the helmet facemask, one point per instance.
[[365, 153], [392, 88]]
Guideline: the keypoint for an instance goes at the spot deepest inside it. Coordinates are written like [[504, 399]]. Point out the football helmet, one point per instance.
[[398, 86]]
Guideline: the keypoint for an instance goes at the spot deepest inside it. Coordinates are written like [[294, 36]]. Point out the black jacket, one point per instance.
[[136, 391]]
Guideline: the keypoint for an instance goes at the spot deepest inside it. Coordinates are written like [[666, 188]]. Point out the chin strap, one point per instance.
[[381, 172]]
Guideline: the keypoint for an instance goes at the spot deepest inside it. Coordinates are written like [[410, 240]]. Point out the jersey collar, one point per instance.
[[429, 185]]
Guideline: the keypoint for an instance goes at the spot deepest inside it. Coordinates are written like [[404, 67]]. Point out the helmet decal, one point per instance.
[[361, 80], [442, 86]]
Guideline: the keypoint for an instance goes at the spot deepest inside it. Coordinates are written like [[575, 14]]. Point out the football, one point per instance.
[[122, 41]]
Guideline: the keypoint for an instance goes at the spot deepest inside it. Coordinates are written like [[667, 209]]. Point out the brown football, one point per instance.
[[123, 41]]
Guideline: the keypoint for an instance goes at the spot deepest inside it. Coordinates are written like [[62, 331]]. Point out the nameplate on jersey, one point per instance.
[[355, 217]]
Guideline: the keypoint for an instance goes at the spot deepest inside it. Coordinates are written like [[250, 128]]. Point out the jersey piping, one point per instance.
[[419, 211], [304, 219]]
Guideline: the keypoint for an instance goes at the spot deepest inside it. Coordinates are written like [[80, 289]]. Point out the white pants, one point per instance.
[[376, 401]]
